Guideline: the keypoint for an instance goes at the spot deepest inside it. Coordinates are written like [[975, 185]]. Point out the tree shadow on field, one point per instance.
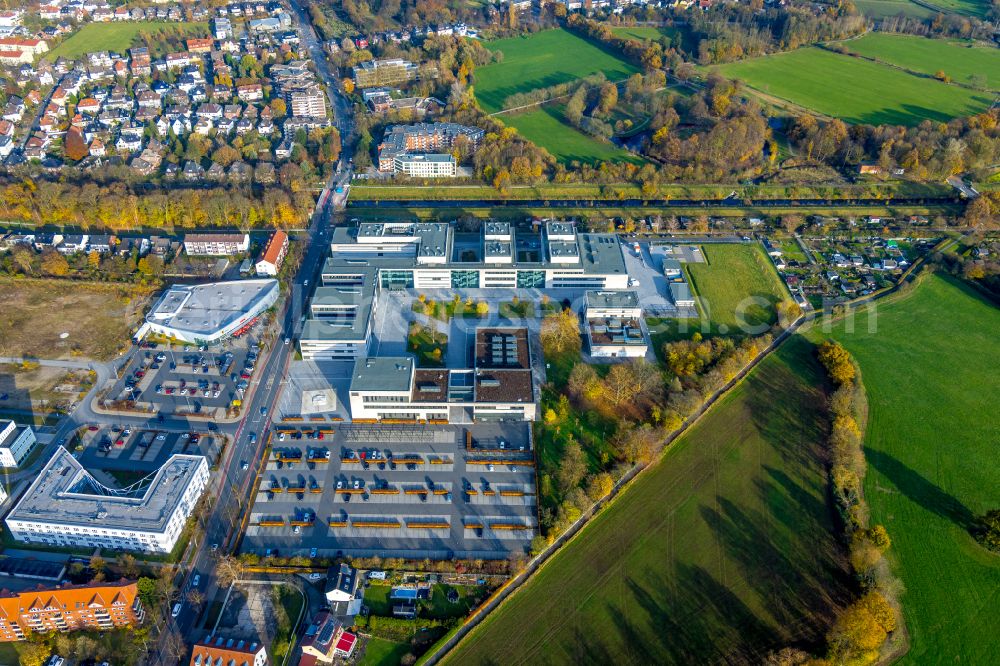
[[693, 619], [921, 491], [800, 583]]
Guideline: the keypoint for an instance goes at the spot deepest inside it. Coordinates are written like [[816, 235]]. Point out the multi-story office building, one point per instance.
[[97, 607], [374, 73], [66, 506], [377, 256], [498, 388], [614, 324], [15, 443]]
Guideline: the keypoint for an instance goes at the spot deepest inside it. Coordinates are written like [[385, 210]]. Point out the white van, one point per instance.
[[176, 611]]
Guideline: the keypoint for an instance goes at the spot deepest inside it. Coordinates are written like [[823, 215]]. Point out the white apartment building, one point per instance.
[[67, 507], [212, 245], [15, 443], [425, 166], [308, 103]]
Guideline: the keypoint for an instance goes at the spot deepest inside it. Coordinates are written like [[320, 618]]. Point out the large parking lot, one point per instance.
[[187, 380], [121, 449], [397, 491]]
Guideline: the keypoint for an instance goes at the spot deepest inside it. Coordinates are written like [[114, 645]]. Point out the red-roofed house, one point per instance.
[[228, 652], [322, 638], [345, 645], [274, 254]]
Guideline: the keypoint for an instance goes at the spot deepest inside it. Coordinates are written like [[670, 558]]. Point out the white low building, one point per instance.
[[65, 506], [614, 325], [206, 313], [15, 443]]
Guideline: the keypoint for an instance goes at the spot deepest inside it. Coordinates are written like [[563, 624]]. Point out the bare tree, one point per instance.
[[228, 570], [174, 647]]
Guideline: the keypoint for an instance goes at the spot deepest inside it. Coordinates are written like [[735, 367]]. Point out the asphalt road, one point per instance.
[[232, 484]]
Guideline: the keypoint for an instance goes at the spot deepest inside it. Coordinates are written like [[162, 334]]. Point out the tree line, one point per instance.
[[117, 206], [600, 421]]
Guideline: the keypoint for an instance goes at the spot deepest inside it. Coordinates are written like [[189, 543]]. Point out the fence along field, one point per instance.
[[929, 369], [855, 90], [721, 552]]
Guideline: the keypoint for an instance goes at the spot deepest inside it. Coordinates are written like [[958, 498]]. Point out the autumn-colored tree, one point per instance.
[[837, 362], [599, 486], [572, 466], [862, 628], [75, 146], [278, 107], [560, 333], [53, 263], [33, 654]]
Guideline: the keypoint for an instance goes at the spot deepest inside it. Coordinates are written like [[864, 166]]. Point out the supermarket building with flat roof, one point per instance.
[[206, 313]]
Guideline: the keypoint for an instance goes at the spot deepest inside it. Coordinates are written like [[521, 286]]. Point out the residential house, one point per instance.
[[219, 651], [274, 254]]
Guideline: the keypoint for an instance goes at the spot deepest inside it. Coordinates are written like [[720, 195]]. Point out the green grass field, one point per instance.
[[878, 9], [959, 60], [380, 652], [858, 91], [546, 128], [649, 32], [977, 8], [117, 37], [721, 552], [541, 60], [929, 368], [737, 286]]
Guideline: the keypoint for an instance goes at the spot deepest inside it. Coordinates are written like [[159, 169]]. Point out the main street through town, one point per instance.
[[232, 484]]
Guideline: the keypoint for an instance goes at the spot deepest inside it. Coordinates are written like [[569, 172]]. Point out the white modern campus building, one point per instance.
[[614, 324], [499, 388], [66, 506], [206, 313], [410, 255], [15, 443]]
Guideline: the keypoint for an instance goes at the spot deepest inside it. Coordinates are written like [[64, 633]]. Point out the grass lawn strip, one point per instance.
[[719, 553], [931, 446], [541, 60], [855, 90]]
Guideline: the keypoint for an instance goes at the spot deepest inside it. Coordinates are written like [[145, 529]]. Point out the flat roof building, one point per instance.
[[216, 244], [499, 388], [206, 313], [423, 255], [15, 443], [66, 506]]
